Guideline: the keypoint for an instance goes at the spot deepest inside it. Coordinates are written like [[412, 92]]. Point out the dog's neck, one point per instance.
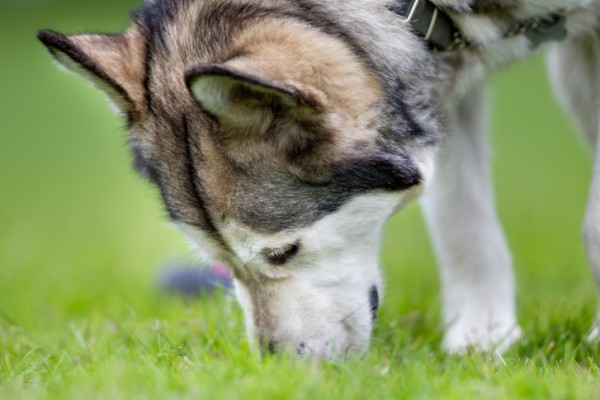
[[439, 22]]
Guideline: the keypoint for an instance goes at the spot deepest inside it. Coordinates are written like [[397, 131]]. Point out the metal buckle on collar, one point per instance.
[[428, 21], [439, 31], [418, 8]]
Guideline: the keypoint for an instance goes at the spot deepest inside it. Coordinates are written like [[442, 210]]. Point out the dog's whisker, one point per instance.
[[357, 309]]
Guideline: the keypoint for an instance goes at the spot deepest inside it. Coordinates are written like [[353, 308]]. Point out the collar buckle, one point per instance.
[[428, 21], [439, 31]]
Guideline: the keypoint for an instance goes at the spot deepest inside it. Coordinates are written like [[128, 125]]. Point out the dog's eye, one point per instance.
[[281, 255]]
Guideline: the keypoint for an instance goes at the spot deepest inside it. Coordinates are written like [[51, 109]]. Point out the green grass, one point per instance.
[[82, 240]]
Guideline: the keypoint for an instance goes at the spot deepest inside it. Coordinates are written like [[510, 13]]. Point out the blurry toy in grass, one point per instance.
[[191, 281]]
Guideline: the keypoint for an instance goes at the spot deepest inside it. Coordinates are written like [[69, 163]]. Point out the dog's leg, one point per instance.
[[574, 67], [475, 263]]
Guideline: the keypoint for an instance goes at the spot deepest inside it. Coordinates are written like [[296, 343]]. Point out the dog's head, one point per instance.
[[279, 146]]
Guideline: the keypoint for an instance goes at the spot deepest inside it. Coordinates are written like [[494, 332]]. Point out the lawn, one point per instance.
[[83, 239]]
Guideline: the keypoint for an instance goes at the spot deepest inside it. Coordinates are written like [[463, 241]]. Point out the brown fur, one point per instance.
[[264, 114], [295, 55], [258, 119], [122, 58], [298, 56]]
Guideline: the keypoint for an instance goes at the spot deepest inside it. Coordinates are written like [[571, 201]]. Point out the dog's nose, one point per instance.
[[374, 301], [270, 346]]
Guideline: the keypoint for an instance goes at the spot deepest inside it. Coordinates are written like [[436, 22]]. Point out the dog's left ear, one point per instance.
[[113, 63], [241, 99]]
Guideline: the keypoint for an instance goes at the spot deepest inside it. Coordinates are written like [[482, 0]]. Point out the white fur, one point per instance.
[[533, 8], [479, 27], [475, 263], [205, 246], [574, 67], [325, 305], [318, 303], [320, 298]]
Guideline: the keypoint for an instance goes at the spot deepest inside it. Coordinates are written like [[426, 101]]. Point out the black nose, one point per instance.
[[374, 301], [272, 346]]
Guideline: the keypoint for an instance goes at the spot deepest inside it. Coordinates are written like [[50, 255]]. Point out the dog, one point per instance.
[[282, 134]]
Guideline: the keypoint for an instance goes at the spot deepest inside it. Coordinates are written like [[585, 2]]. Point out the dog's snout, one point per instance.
[[374, 301]]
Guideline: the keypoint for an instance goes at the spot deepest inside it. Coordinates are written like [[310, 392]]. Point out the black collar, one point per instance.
[[441, 33]]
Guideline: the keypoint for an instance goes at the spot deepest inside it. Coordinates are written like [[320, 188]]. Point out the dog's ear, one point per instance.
[[113, 63], [238, 99]]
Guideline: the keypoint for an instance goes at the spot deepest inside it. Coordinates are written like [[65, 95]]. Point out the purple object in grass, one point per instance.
[[195, 281]]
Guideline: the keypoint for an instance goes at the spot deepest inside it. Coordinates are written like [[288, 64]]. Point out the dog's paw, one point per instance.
[[484, 337], [594, 333]]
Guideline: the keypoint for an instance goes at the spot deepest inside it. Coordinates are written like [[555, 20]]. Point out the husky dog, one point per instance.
[[283, 133]]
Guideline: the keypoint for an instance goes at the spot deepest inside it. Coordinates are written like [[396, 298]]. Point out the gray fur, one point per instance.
[[290, 158]]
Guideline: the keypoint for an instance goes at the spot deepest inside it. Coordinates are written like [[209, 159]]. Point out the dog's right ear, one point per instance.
[[113, 63]]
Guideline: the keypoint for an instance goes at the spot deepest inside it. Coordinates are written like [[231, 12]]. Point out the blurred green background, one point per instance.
[[79, 231]]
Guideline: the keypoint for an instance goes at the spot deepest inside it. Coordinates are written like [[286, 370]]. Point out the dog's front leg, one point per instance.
[[574, 67], [591, 234], [475, 263]]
